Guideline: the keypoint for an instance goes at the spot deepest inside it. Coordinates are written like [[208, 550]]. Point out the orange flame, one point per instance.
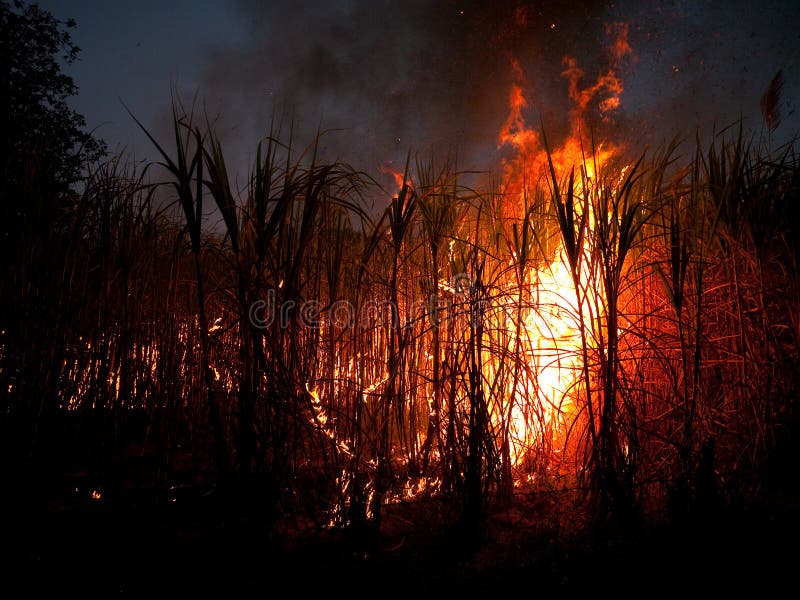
[[620, 47], [514, 130], [543, 398], [399, 178], [529, 161]]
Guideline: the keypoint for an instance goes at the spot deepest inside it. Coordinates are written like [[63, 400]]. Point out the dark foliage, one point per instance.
[[34, 92]]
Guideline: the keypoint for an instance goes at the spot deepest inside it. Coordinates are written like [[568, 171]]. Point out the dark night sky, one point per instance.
[[422, 73]]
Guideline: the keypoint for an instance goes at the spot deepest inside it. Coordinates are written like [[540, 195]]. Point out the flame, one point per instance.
[[542, 403], [529, 158], [399, 178], [320, 420], [217, 325], [620, 48], [514, 130], [413, 488]]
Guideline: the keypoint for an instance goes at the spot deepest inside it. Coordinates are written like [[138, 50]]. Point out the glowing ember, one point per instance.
[[320, 420]]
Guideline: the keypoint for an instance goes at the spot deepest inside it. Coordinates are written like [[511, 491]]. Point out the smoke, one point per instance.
[[389, 76], [435, 75], [703, 66]]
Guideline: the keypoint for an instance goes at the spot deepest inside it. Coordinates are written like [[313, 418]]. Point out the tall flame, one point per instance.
[[529, 158], [542, 401]]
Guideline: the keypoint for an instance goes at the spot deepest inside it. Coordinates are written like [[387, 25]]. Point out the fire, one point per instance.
[[320, 420], [529, 157], [542, 403], [514, 131], [398, 177], [620, 47]]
